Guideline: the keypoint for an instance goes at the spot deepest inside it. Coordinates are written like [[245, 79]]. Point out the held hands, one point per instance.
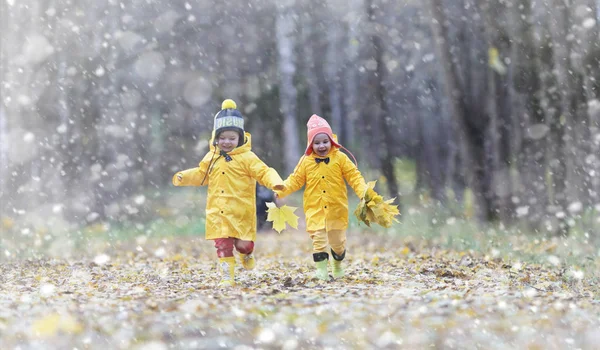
[[277, 189]]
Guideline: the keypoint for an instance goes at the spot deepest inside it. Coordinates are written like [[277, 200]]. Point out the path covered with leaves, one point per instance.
[[162, 294]]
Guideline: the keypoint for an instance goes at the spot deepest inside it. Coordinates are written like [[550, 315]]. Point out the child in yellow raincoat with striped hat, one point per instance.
[[230, 170], [324, 169]]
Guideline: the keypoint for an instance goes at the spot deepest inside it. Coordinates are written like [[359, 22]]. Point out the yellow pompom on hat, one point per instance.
[[228, 104], [229, 118]]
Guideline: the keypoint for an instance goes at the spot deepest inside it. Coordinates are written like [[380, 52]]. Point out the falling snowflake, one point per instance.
[[29, 137], [522, 211], [101, 259], [589, 23], [160, 252], [577, 274], [139, 200], [266, 336], [575, 207], [99, 71], [554, 260], [47, 290]]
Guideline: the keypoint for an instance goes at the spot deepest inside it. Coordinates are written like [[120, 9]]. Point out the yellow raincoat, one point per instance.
[[325, 196], [231, 198]]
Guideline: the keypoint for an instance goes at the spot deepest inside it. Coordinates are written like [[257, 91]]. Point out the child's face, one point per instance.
[[321, 144], [228, 140]]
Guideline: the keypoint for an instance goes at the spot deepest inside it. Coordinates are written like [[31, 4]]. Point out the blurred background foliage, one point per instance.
[[475, 115]]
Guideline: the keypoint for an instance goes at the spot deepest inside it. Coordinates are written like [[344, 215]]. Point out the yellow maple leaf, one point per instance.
[[281, 216]]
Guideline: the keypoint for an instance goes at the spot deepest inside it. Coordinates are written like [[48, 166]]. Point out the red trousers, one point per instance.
[[225, 246]]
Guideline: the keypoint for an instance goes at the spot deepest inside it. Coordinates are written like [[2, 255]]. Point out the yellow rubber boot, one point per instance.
[[248, 261], [227, 266]]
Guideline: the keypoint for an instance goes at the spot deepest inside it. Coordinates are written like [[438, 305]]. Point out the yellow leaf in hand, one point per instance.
[[361, 212], [281, 216]]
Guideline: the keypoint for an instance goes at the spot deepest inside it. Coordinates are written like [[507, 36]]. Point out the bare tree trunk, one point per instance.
[[499, 104], [469, 131], [6, 48], [430, 172], [556, 146], [533, 164], [477, 117], [378, 102], [562, 48], [285, 28], [23, 50], [4, 190], [350, 75], [110, 163], [592, 82], [309, 67], [332, 68], [591, 58]]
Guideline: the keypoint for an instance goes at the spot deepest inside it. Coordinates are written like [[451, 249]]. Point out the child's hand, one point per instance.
[[278, 188]]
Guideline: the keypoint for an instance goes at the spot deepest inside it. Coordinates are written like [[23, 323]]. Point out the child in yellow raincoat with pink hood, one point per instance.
[[324, 169], [230, 169]]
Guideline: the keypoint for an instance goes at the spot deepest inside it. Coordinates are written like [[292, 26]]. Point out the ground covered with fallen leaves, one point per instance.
[[163, 294]]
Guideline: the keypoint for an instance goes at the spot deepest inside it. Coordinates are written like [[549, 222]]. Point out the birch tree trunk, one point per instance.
[[285, 33], [556, 146], [24, 50], [309, 67], [332, 68], [7, 45]]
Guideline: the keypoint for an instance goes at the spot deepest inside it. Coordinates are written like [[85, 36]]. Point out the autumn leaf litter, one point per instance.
[[397, 293]]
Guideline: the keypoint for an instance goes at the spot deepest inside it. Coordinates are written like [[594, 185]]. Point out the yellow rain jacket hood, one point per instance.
[[231, 197], [325, 196]]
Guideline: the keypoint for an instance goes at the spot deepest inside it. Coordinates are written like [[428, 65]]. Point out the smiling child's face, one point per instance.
[[228, 140], [321, 145]]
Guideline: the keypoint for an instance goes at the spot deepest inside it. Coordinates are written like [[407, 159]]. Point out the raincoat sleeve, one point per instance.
[[295, 181], [353, 176], [194, 176], [265, 175]]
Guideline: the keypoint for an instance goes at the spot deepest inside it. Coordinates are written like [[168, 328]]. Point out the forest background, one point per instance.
[[483, 113]]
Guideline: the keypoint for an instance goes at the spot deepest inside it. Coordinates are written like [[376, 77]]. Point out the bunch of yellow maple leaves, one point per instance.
[[373, 209]]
